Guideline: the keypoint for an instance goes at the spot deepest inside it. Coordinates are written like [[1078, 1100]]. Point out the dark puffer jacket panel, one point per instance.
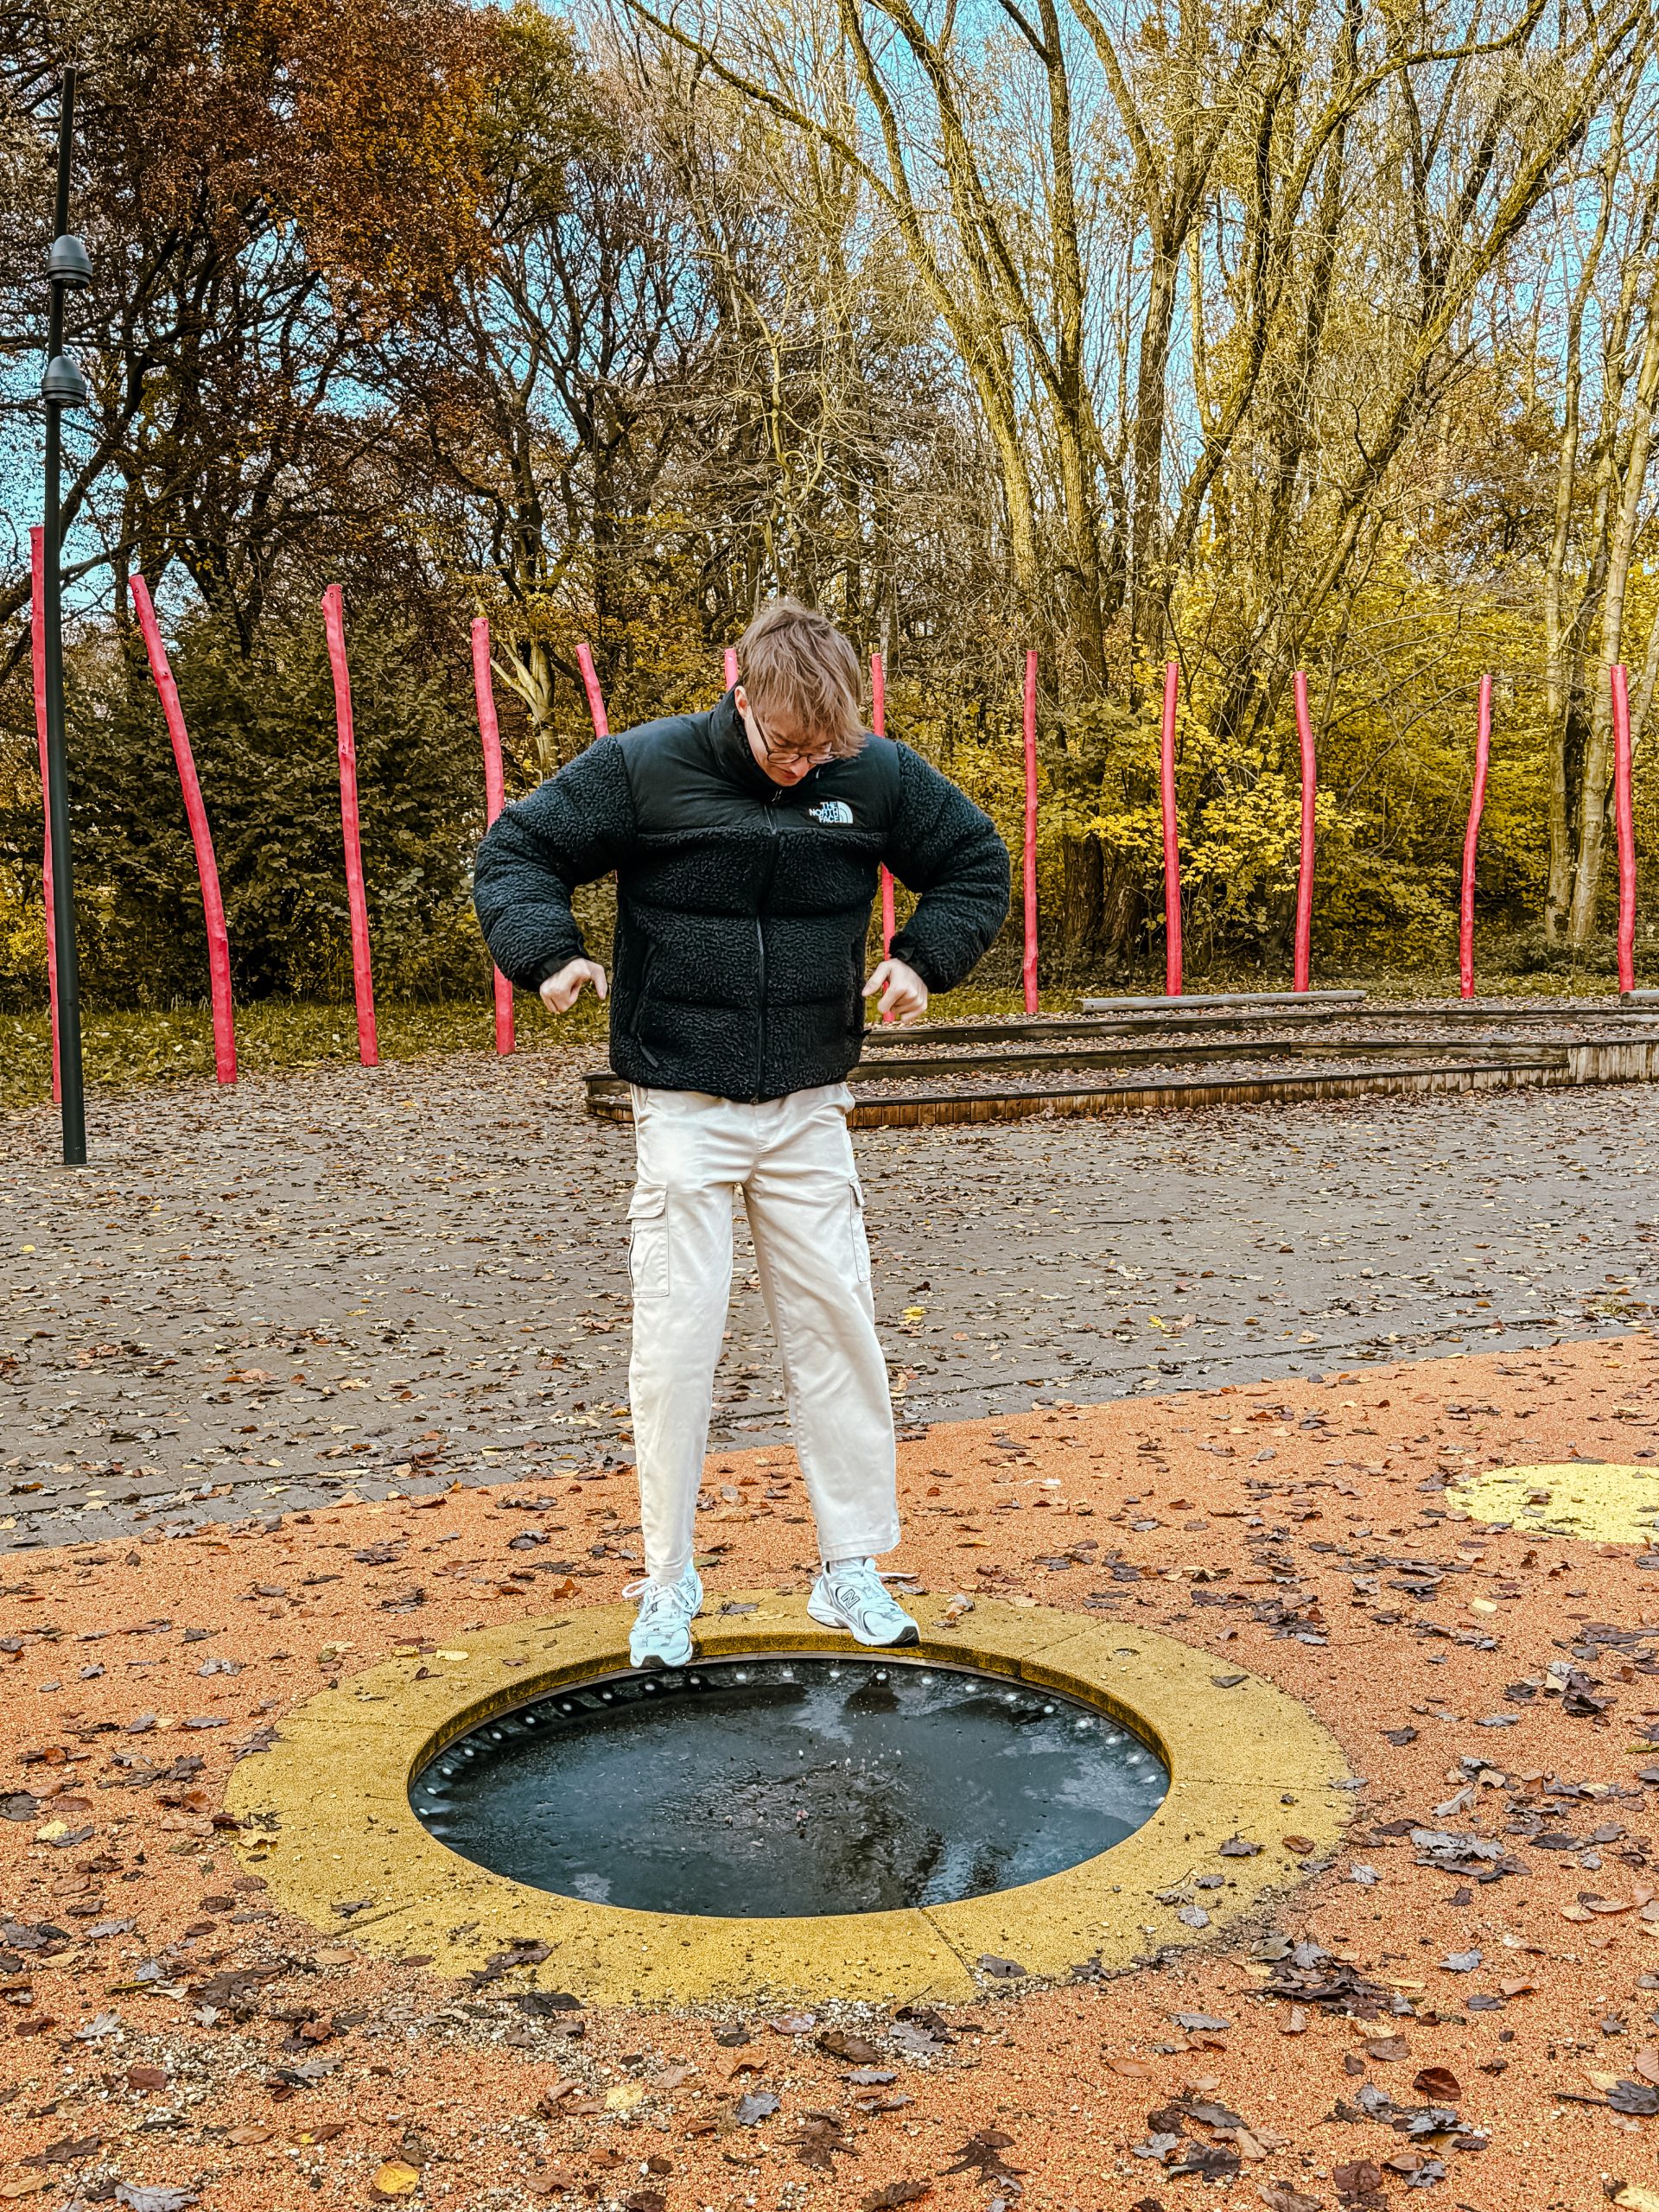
[[742, 906]]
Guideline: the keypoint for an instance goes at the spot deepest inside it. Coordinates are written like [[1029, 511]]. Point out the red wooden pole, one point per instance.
[[1470, 842], [1625, 823], [1302, 979], [879, 724], [368, 1048], [728, 666], [590, 685], [213, 906], [1028, 966], [495, 792], [37, 650], [1172, 839]]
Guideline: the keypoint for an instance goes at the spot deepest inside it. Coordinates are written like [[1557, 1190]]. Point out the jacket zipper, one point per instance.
[[770, 820]]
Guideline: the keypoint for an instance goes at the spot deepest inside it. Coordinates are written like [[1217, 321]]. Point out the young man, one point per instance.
[[745, 843]]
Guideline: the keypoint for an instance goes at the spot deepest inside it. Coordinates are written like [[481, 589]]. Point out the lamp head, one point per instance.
[[68, 263], [63, 382]]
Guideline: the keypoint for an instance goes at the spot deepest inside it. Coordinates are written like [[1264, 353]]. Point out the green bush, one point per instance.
[[262, 729]]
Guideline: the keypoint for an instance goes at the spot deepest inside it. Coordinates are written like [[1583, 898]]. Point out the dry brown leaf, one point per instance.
[[1438, 2085], [1279, 2196]]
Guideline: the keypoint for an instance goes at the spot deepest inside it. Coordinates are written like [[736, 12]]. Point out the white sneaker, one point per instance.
[[662, 1628], [851, 1595]]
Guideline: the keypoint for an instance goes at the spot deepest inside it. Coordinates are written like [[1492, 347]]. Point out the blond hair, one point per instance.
[[795, 664]]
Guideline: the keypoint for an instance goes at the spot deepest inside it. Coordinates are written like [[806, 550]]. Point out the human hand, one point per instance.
[[903, 992], [560, 993]]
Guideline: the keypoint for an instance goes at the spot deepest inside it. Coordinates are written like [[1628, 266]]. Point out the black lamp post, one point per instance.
[[67, 270]]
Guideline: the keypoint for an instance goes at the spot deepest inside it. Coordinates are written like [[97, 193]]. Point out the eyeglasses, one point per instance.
[[789, 755]]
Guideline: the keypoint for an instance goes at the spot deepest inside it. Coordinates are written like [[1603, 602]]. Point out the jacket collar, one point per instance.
[[736, 761]]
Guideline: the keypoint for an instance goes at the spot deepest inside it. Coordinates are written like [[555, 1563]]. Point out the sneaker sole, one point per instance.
[[909, 1634]]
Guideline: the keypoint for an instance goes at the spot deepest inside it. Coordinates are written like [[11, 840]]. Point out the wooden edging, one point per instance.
[[1559, 1067]]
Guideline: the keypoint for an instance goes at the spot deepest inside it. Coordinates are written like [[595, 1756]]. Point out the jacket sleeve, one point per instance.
[[941, 846], [573, 829]]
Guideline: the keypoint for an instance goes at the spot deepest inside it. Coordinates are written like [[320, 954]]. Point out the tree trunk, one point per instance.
[[1598, 752], [1081, 903], [1145, 530]]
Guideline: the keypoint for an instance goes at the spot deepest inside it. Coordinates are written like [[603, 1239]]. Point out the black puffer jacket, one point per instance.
[[742, 906]]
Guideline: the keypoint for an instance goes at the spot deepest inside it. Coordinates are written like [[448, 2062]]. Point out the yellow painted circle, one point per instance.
[[325, 1818], [1606, 1504]]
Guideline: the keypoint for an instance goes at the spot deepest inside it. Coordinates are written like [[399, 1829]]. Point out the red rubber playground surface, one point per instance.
[[166, 2031]]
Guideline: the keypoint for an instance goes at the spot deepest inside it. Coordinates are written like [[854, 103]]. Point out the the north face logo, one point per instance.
[[831, 810]]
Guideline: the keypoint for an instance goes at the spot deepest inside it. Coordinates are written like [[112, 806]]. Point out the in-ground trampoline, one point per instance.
[[1027, 1793], [798, 1783]]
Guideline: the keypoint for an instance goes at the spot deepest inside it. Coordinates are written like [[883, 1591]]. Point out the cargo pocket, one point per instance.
[[648, 1240], [861, 1241]]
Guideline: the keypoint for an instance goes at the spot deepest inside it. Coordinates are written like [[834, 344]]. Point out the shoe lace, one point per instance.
[[658, 1597], [866, 1581]]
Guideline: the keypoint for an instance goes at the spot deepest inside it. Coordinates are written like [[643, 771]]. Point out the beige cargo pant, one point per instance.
[[792, 1159]]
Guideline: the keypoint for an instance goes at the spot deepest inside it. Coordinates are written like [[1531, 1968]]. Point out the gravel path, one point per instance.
[[396, 1278]]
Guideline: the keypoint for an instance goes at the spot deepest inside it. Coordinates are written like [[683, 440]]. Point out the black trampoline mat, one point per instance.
[[790, 1785]]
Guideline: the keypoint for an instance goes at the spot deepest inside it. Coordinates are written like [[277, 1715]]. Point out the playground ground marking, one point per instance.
[[1603, 1504]]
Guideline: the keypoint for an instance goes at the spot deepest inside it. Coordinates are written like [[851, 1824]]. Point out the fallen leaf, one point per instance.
[[1279, 2196], [839, 2043], [395, 2180], [906, 2192], [983, 2153], [1438, 2084]]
